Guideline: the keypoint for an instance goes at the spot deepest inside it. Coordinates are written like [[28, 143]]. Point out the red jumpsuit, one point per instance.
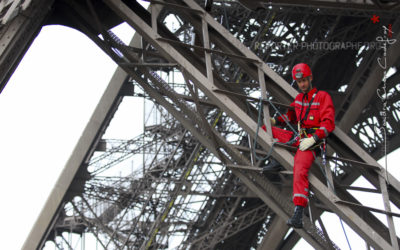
[[321, 116]]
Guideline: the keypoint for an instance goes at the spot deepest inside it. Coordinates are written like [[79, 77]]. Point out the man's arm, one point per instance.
[[327, 117], [290, 116]]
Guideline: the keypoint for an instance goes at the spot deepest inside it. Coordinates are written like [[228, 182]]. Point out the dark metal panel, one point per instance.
[[18, 33]]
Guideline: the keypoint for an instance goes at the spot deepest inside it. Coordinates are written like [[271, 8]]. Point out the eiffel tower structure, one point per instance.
[[208, 82]]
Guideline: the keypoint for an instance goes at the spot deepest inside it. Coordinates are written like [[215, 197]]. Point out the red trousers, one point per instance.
[[302, 163]]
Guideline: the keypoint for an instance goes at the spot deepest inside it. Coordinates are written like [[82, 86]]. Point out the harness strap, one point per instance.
[[308, 108]]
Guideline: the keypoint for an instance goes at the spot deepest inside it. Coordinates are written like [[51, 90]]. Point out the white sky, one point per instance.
[[43, 111]]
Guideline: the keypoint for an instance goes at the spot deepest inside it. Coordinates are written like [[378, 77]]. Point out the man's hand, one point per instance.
[[306, 143], [273, 121]]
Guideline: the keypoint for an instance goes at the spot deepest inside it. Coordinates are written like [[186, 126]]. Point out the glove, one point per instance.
[[306, 143], [273, 121]]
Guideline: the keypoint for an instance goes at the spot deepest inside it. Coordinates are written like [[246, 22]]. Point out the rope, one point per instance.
[[259, 123], [334, 191], [286, 121], [344, 231]]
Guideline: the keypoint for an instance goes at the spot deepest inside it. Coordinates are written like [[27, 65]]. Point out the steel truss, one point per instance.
[[200, 183]]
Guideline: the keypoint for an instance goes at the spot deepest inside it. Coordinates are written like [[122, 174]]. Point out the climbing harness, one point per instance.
[[306, 112]]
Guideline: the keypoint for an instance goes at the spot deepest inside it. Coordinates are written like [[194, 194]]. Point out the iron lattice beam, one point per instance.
[[210, 58]]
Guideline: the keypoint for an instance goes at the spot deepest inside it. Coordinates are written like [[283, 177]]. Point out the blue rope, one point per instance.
[[341, 222], [334, 191], [344, 231]]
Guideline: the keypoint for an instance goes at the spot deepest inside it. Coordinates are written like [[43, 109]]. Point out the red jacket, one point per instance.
[[321, 114]]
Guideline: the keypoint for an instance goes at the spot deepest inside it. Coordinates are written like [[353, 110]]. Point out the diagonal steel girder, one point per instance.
[[226, 104]]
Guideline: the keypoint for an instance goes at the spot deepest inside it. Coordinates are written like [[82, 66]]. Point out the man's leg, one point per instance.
[[302, 163], [282, 136]]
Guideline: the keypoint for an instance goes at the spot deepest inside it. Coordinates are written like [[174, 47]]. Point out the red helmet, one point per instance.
[[301, 70]]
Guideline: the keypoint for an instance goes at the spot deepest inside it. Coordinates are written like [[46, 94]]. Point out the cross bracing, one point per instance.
[[220, 130]]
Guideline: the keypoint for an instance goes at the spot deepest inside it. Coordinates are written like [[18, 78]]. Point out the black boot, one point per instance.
[[272, 166], [297, 219]]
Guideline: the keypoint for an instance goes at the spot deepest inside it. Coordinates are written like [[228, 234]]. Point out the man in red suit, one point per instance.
[[314, 115]]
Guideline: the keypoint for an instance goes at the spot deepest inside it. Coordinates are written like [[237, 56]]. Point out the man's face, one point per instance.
[[304, 84]]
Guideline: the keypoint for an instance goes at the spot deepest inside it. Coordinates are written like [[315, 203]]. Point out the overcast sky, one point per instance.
[[44, 109]]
